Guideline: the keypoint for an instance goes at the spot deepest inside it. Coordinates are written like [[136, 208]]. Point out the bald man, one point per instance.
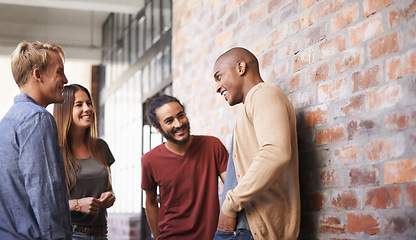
[[265, 154]]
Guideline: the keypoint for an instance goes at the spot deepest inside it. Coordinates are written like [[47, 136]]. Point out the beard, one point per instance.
[[169, 137]]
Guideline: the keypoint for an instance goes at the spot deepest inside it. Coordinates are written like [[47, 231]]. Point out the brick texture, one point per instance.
[[349, 69]]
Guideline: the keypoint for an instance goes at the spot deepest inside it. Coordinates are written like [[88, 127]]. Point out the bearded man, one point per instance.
[[186, 169]]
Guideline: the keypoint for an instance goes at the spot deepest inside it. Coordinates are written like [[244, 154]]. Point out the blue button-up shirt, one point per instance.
[[33, 195]]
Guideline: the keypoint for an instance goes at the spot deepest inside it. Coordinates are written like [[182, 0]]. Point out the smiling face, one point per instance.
[[174, 124], [228, 80], [82, 112], [53, 80]]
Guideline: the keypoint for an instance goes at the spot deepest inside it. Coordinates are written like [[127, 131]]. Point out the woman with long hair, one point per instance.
[[87, 163]]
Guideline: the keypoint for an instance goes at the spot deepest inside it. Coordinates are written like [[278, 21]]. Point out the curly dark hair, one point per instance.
[[156, 102]]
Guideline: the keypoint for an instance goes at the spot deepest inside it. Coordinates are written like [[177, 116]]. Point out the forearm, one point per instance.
[[152, 212], [72, 204]]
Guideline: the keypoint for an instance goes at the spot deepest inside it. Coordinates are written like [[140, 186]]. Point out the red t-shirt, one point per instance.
[[189, 205]]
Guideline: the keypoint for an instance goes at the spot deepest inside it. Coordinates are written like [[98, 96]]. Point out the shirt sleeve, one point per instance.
[[148, 181], [221, 158], [108, 153], [42, 167], [270, 117]]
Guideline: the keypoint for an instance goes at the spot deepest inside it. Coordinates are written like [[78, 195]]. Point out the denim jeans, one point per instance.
[[236, 235]]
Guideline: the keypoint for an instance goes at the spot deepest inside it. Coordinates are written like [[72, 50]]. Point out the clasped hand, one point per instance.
[[92, 205]]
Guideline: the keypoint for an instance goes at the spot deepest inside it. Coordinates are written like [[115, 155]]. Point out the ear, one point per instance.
[[241, 67], [157, 129], [36, 74]]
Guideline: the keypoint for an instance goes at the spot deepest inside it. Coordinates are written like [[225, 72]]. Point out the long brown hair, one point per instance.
[[63, 117]]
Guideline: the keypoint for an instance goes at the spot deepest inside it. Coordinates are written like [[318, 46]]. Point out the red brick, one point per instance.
[[291, 46], [294, 83], [347, 60], [280, 69], [410, 34], [302, 59], [401, 66], [357, 127], [303, 99], [273, 4], [287, 11], [372, 6], [327, 7], [317, 115], [332, 224], [234, 3], [412, 139], [331, 47], [320, 73], [355, 105], [346, 200], [307, 3], [371, 77], [279, 34], [256, 14], [410, 197], [331, 178], [400, 223], [363, 223], [305, 20], [384, 46], [266, 59], [401, 120], [315, 34], [384, 97], [364, 176], [401, 15], [385, 148], [344, 18], [383, 198], [347, 155], [259, 46], [333, 90], [223, 38], [400, 171], [366, 30], [330, 135]]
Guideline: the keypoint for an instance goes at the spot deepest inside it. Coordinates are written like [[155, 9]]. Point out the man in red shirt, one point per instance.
[[186, 169]]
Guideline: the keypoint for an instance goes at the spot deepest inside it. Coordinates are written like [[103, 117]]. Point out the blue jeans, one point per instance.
[[236, 235]]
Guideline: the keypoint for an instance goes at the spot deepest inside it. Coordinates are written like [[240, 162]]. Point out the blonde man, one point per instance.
[[33, 196]]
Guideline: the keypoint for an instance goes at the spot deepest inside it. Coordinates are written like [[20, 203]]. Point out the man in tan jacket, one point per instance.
[[265, 152]]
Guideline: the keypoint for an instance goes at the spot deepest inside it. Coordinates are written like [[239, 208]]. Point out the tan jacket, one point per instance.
[[266, 163]]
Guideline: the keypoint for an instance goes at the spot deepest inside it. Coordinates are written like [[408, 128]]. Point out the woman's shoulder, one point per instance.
[[101, 143]]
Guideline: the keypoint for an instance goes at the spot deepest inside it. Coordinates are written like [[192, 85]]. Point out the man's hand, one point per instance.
[[226, 223]]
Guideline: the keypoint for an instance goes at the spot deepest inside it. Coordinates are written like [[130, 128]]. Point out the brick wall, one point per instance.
[[124, 226], [349, 68]]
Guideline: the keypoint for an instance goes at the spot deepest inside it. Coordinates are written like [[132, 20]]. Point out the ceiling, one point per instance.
[[75, 25]]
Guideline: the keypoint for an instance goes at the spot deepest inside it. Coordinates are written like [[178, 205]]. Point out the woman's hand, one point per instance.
[[107, 199], [89, 205]]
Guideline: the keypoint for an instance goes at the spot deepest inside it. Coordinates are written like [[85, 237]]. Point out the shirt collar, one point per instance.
[[24, 98]]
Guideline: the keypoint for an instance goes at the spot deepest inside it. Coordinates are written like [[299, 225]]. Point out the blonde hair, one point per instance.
[[63, 117], [29, 56]]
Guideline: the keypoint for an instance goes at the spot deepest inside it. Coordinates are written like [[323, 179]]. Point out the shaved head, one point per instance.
[[234, 55], [235, 72]]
